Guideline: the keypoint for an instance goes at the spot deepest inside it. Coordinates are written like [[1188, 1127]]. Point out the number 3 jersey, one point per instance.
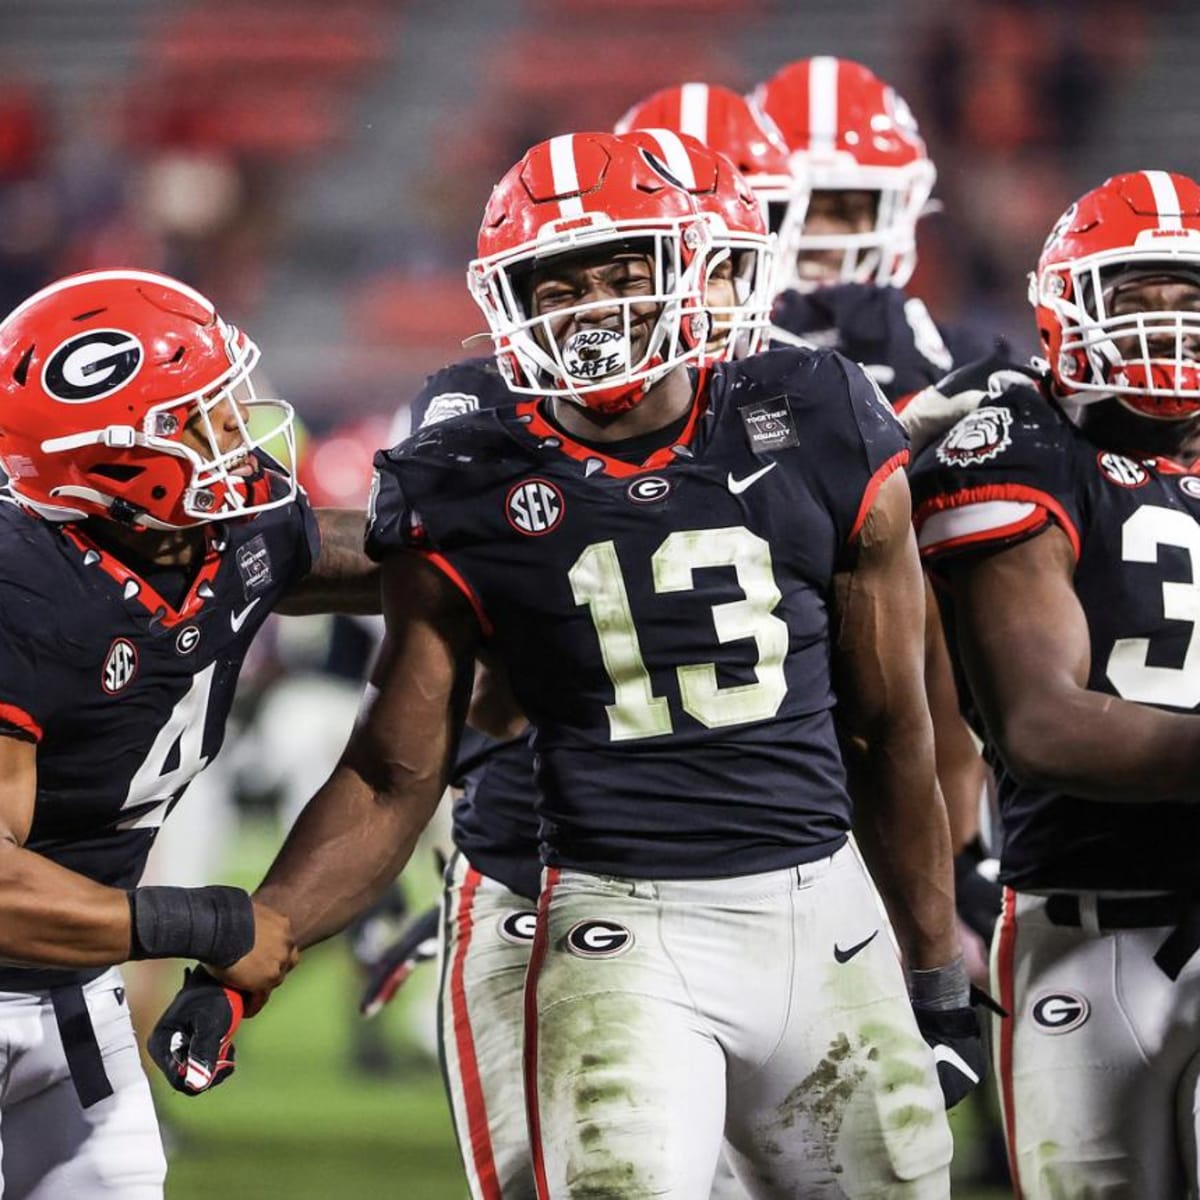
[[125, 695], [1004, 474], [665, 626]]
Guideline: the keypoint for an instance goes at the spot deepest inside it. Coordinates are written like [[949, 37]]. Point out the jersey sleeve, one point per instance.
[[860, 442], [999, 476], [394, 524], [25, 665], [459, 388], [307, 538]]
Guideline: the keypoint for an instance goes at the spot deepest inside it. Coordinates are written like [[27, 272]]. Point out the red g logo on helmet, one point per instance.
[[92, 365]]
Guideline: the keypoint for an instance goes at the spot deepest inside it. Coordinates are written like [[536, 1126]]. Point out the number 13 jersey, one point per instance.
[[666, 625]]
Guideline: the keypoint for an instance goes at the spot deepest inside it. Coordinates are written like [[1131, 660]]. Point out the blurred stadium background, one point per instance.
[[319, 169]]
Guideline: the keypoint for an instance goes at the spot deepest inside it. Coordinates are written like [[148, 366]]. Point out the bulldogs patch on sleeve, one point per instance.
[[998, 477], [977, 438], [449, 404]]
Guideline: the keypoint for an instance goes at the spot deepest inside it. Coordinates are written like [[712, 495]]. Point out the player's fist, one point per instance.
[[273, 955], [417, 944], [192, 1044], [955, 1038]]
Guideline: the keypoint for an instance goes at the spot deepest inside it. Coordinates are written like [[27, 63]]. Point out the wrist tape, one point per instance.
[[212, 924], [941, 988]]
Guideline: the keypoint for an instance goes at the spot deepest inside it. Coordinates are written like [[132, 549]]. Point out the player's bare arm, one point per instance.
[[51, 916], [48, 915], [887, 736], [343, 579], [358, 831], [961, 770], [1030, 681], [494, 709]]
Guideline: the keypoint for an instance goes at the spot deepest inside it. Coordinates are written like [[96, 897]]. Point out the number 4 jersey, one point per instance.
[[665, 625], [126, 695], [1003, 474]]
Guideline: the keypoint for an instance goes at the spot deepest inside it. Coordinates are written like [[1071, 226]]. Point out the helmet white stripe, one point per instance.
[[693, 110], [675, 156], [564, 174], [1166, 199], [822, 104], [73, 281]]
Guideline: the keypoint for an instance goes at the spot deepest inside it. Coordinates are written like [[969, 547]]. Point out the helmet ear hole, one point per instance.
[[118, 472]]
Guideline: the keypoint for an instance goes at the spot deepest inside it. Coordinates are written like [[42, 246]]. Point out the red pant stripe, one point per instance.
[[1004, 970], [537, 956], [478, 1141]]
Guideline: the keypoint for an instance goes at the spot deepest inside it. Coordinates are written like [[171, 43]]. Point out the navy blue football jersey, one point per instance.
[[665, 626], [493, 820], [1003, 474], [125, 694], [889, 333]]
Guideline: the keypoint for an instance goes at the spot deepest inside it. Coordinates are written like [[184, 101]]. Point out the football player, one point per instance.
[[861, 179], [492, 886], [736, 127], [146, 535], [680, 566], [1063, 515]]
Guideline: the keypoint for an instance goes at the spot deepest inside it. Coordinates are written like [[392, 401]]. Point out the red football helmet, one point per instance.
[[726, 122], [848, 131], [587, 192], [1145, 224], [124, 395], [740, 304]]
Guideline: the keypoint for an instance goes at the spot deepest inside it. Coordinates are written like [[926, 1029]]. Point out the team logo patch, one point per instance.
[[769, 425], [449, 404], [598, 939], [188, 639], [1189, 485], [534, 507], [1060, 1012], [254, 565], [981, 436], [92, 365], [647, 489], [120, 666], [519, 926], [1122, 471]]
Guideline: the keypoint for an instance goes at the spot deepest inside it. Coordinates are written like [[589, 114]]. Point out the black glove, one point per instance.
[[955, 1038], [192, 1044], [977, 896], [417, 944]]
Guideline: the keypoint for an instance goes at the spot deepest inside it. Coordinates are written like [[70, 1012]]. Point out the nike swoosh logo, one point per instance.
[[844, 956], [737, 486], [238, 619], [947, 1054]]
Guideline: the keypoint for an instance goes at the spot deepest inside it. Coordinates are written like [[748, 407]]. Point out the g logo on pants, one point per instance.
[[519, 926], [1060, 1012], [598, 939]]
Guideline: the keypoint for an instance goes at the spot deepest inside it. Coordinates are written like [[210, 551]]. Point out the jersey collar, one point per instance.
[[134, 587], [532, 422]]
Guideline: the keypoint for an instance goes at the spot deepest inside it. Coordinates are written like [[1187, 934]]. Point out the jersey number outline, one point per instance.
[[154, 785], [597, 581], [1128, 668]]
